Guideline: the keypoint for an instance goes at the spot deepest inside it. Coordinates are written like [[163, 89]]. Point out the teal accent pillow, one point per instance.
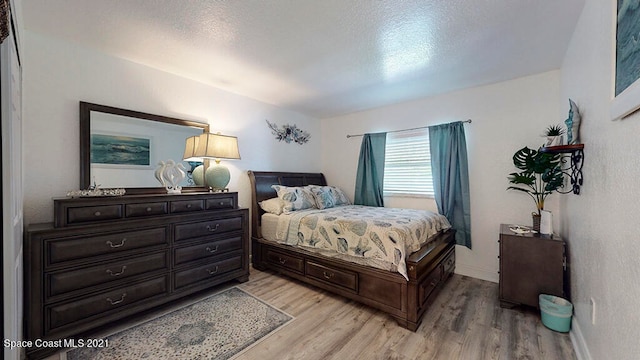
[[322, 194], [323, 197], [294, 198]]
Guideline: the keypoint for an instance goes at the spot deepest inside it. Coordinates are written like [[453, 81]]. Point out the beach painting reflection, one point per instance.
[[119, 150]]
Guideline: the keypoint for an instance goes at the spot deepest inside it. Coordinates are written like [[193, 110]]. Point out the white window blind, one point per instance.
[[407, 167]]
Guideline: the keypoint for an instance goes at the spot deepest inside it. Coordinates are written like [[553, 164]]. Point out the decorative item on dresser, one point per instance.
[[405, 299], [105, 259], [530, 264]]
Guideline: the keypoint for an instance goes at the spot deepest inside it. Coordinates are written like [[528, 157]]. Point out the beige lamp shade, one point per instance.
[[217, 146], [190, 147]]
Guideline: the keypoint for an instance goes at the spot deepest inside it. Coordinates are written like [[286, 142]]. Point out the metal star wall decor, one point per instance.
[[289, 133]]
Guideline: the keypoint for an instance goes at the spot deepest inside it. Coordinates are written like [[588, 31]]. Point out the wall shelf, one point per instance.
[[576, 155]]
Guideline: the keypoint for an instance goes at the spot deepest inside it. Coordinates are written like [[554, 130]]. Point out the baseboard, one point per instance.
[[577, 339], [478, 273]]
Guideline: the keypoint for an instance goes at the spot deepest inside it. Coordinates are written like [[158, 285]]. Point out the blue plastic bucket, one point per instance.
[[555, 312]]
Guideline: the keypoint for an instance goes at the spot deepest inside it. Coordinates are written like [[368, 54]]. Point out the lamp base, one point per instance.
[[198, 175], [217, 177]]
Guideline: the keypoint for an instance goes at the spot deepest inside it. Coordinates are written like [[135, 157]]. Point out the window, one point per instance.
[[407, 168]]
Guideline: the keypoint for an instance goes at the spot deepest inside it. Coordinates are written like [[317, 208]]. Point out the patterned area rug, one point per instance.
[[217, 327]]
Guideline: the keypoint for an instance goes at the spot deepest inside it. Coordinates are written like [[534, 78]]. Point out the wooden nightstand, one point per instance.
[[530, 264]]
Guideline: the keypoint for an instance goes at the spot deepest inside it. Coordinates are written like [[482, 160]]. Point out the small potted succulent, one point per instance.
[[555, 135]]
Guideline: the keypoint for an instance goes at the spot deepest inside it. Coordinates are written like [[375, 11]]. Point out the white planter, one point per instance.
[[554, 141]]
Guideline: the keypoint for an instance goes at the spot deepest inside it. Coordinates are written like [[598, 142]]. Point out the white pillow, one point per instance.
[[272, 206], [294, 198]]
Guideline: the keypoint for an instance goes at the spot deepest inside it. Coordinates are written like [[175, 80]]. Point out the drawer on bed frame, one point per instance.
[[286, 261], [335, 276]]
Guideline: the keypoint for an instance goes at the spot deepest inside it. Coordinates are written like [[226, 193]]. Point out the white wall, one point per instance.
[[58, 75], [601, 225], [506, 117]]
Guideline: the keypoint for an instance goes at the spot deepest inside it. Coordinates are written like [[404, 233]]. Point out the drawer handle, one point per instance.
[[116, 302], [282, 261], [212, 229], [97, 213], [124, 267], [212, 250], [148, 209], [221, 203], [215, 271], [116, 245], [327, 275], [188, 206]]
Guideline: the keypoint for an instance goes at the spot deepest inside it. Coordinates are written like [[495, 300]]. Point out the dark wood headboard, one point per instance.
[[261, 182]]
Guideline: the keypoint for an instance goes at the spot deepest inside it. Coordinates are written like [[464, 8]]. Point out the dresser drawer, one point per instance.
[[146, 209], [286, 261], [205, 250], [187, 206], [78, 215], [60, 250], [343, 278], [66, 281], [104, 303], [206, 273], [207, 228], [221, 202]]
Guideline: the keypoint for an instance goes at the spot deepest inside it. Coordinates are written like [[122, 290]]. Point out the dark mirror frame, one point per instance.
[[85, 142]]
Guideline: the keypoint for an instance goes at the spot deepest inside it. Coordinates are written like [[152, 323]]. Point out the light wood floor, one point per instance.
[[465, 322]]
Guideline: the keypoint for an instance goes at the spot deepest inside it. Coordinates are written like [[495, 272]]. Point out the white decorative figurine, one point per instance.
[[170, 175], [159, 172]]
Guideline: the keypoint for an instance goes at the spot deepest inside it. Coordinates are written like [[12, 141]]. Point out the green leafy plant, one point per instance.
[[540, 174], [554, 130]]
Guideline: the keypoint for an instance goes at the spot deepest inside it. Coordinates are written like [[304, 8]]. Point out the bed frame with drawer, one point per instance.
[[406, 301]]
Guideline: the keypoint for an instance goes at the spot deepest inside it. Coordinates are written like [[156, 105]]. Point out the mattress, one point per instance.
[[378, 237], [269, 226]]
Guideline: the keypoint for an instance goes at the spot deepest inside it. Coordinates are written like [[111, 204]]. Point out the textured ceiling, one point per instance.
[[322, 58]]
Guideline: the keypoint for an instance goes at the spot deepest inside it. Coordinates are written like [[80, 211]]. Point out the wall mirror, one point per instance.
[[121, 148]]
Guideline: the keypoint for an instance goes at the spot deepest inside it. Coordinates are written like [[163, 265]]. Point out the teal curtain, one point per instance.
[[370, 175], [451, 177]]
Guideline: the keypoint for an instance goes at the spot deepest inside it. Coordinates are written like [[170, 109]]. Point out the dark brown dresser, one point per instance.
[[530, 264], [109, 258]]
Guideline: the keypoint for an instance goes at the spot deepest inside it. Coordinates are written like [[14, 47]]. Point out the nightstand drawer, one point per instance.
[[207, 228], [343, 278], [60, 250], [76, 215], [205, 250], [81, 278], [146, 209]]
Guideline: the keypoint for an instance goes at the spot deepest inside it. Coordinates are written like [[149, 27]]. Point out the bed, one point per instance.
[[403, 287]]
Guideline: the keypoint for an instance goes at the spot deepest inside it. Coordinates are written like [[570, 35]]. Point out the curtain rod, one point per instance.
[[416, 128]]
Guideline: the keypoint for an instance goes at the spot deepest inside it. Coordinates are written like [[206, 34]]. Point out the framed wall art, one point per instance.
[[107, 149], [626, 94]]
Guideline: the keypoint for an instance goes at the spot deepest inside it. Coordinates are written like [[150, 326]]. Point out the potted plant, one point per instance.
[[555, 135], [540, 175]]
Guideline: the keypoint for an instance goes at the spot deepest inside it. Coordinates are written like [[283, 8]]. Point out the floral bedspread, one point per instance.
[[382, 237]]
